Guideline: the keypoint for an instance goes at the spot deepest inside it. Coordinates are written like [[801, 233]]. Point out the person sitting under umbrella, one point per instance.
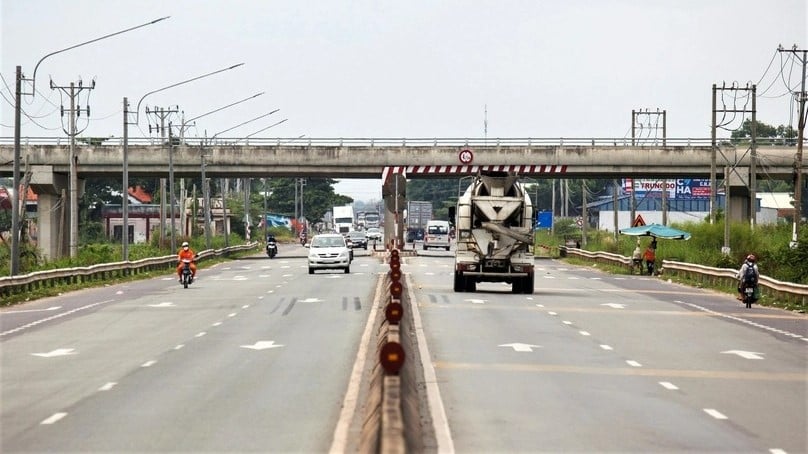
[[650, 258]]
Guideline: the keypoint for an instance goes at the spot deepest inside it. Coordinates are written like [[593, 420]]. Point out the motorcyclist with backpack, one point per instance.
[[748, 275]]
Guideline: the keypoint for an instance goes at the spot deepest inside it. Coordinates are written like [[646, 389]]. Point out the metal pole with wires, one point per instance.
[[75, 111], [15, 249], [798, 183]]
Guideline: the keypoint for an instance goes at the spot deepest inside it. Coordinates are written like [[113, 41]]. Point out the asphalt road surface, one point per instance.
[[255, 356], [594, 362]]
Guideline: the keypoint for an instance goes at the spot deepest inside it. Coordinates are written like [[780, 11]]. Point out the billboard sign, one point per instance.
[[544, 220], [678, 188]]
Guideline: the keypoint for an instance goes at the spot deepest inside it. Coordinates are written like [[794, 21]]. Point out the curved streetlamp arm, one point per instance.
[[242, 124], [137, 111], [33, 78], [264, 129], [224, 107]]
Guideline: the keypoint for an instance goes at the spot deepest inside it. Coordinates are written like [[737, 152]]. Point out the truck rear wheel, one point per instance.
[[471, 285], [459, 284], [528, 284]]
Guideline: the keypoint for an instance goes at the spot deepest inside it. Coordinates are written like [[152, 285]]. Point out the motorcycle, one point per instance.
[[272, 249], [748, 295], [186, 274]]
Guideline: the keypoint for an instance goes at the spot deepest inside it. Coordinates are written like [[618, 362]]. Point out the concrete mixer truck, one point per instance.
[[494, 224]]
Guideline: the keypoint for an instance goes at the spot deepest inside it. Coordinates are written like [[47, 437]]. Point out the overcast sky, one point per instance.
[[572, 68]]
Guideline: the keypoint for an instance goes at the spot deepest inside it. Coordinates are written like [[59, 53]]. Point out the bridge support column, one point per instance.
[[52, 210], [395, 202], [739, 195]]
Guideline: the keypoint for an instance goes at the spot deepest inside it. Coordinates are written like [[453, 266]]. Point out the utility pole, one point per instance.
[[206, 197], [584, 213], [225, 182], [713, 163], [172, 200], [264, 214], [15, 200], [616, 211], [246, 183], [795, 235], [162, 115], [74, 112], [125, 192], [728, 168], [636, 117], [302, 184], [15, 249]]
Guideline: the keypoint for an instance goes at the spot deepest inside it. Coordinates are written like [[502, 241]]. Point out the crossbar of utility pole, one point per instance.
[[74, 112], [713, 160]]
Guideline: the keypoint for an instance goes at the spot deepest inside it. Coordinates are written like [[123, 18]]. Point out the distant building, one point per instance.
[[771, 208]]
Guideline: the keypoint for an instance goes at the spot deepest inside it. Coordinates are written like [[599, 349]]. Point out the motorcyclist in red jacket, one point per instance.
[[186, 252]]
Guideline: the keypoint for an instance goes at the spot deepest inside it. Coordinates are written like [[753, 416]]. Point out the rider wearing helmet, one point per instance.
[[186, 252], [748, 274]]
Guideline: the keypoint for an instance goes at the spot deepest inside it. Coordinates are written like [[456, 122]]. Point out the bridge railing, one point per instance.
[[407, 142], [25, 283], [718, 277]]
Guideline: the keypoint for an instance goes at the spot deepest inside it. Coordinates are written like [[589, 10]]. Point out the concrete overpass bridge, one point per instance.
[[367, 158], [49, 162]]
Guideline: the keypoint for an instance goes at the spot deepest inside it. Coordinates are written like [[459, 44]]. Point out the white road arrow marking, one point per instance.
[[57, 352], [614, 305], [744, 354], [262, 345], [517, 347], [162, 305]]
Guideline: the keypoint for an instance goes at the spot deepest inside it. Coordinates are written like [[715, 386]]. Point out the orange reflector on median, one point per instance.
[[391, 356], [393, 312], [395, 289]]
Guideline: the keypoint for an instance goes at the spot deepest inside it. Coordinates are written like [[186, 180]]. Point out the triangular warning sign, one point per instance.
[[638, 221]]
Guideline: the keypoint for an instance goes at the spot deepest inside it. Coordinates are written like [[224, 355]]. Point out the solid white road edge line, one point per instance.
[[440, 423], [338, 445]]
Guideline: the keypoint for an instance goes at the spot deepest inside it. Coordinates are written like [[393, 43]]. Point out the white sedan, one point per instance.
[[328, 252], [374, 234]]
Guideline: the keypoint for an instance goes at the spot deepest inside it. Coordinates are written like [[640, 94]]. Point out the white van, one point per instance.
[[436, 235]]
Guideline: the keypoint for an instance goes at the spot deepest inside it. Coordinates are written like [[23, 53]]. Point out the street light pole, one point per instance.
[[171, 198], [126, 123], [15, 200], [15, 238], [125, 199]]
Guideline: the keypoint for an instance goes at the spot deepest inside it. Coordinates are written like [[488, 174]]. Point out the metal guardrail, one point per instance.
[[725, 277], [13, 285], [406, 142]]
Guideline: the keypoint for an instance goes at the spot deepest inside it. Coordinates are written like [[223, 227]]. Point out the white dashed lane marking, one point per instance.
[[53, 418], [715, 413]]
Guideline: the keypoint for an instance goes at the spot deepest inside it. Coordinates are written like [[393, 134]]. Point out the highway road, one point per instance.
[[257, 355], [594, 362]]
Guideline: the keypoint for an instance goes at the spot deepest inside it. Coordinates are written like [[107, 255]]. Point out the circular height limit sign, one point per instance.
[[465, 156]]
